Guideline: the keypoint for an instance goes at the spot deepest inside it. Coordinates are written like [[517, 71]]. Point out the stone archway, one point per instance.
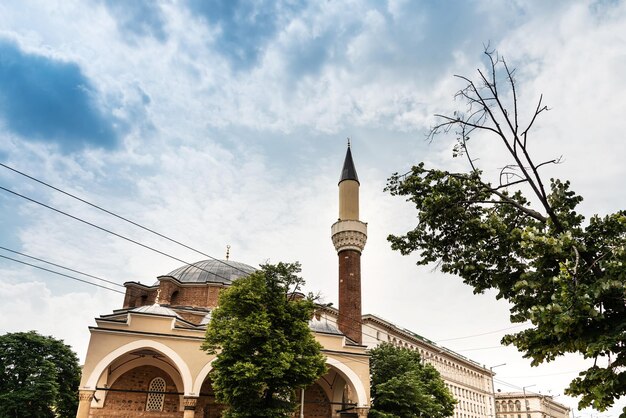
[[119, 383], [340, 389], [169, 353], [120, 368], [128, 395]]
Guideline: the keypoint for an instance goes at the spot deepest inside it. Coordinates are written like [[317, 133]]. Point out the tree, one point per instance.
[[405, 387], [265, 350], [524, 238], [39, 376]]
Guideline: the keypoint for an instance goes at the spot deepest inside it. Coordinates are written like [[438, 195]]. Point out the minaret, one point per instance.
[[349, 235]]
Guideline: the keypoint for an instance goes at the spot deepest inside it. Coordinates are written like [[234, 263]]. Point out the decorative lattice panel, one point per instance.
[[155, 400]]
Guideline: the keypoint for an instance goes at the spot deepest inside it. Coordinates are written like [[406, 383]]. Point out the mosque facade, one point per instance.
[[144, 360]]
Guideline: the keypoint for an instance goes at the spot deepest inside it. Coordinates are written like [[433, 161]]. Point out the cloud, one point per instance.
[[138, 18], [245, 27], [61, 316], [49, 100]]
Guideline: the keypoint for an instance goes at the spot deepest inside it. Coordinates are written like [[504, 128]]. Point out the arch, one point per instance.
[[166, 367], [174, 297], [350, 377], [346, 372], [182, 367], [197, 384], [139, 362]]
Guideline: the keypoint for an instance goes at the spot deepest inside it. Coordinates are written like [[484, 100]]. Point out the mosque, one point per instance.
[[144, 360]]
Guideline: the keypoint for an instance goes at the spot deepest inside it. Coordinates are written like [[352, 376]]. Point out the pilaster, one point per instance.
[[84, 403], [189, 404]]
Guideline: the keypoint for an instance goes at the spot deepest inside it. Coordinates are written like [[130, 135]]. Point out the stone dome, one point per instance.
[[211, 271]]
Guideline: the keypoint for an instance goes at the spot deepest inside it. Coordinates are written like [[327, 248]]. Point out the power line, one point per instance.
[[540, 375], [484, 333], [62, 274], [119, 216], [483, 348], [60, 266], [111, 232]]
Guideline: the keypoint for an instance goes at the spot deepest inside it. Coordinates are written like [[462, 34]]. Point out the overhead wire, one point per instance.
[[483, 348], [357, 321], [60, 266], [480, 335], [119, 216], [110, 232], [61, 274]]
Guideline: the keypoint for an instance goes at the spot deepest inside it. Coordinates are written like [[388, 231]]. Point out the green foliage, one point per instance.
[[265, 350], [564, 275], [402, 386], [39, 376]]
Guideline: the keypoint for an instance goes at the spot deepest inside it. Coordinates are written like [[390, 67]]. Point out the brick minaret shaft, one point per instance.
[[349, 235]]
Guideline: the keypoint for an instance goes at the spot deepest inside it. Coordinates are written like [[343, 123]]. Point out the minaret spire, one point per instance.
[[349, 235]]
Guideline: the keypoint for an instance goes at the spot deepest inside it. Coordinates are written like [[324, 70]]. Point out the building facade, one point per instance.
[[144, 360], [529, 405]]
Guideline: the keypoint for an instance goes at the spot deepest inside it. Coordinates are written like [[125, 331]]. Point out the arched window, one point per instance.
[[174, 298], [155, 399], [518, 406]]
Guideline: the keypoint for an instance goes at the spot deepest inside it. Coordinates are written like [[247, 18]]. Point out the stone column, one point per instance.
[[362, 411], [84, 403], [190, 407]]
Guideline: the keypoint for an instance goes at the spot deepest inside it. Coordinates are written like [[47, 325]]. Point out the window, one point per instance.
[[174, 298], [155, 400]]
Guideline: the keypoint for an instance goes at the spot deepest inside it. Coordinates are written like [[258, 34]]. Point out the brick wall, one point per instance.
[[191, 317], [349, 320], [133, 404], [200, 296], [206, 406], [316, 403]]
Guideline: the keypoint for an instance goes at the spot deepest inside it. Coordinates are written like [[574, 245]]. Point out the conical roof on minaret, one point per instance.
[[348, 172]]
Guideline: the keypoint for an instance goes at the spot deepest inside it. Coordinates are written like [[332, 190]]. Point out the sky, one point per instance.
[[225, 123]]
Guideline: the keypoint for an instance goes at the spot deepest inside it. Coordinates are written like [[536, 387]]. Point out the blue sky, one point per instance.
[[225, 122]]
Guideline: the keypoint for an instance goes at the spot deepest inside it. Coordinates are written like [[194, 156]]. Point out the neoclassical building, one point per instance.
[[144, 360], [529, 405]]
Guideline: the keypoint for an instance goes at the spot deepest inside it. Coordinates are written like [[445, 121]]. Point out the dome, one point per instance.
[[156, 310], [211, 271]]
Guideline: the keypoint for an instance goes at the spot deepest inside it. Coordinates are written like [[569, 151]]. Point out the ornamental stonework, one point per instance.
[[84, 395], [189, 404], [349, 240]]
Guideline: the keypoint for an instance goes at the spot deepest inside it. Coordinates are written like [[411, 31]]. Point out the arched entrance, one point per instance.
[[339, 393], [207, 407], [139, 379], [143, 391]]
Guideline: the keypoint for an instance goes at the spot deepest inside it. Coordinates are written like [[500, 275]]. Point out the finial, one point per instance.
[[348, 142], [227, 252], [158, 297]]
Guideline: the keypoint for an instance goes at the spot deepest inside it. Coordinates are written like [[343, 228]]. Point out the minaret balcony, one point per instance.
[[349, 235]]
